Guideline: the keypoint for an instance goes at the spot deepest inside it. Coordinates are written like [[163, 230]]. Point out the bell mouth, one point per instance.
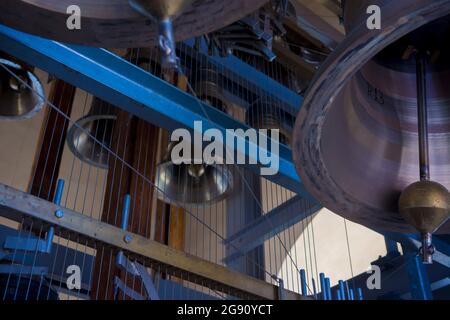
[[355, 138], [19, 100], [80, 139], [266, 115], [178, 184], [209, 90]]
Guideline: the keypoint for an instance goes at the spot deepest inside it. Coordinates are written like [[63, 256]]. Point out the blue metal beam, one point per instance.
[[252, 76], [267, 226], [114, 80]]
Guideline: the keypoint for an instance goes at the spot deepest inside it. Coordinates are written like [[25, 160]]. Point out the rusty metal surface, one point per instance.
[[114, 24], [355, 138]]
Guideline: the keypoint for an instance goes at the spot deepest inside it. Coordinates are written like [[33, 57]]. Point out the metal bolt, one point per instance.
[[127, 238], [59, 213]]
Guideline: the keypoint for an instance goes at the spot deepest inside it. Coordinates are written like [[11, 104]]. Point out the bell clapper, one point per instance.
[[163, 15], [424, 204], [427, 248]]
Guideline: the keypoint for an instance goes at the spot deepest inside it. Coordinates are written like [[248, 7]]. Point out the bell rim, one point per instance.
[[37, 91], [165, 198], [357, 49], [121, 17], [71, 135]]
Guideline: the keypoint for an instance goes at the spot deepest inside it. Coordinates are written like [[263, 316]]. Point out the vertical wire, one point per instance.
[[349, 253]]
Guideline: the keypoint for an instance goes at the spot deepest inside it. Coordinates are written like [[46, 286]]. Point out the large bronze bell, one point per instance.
[[21, 93], [356, 136], [123, 23]]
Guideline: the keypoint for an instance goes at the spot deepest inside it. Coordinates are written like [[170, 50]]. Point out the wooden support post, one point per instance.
[[53, 138], [177, 215], [135, 141]]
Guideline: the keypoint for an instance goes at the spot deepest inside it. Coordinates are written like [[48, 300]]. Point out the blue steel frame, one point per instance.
[[121, 83], [253, 76]]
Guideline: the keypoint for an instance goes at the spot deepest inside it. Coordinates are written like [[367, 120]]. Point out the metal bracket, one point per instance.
[[138, 270]]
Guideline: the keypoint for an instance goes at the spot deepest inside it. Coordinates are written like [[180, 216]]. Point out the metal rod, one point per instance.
[[351, 294], [125, 212], [360, 294], [323, 286], [427, 248], [314, 288], [56, 200], [424, 161], [167, 44], [342, 289], [328, 287], [303, 282], [422, 115], [59, 192]]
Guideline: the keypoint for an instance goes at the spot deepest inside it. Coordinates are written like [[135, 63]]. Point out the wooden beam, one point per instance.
[[15, 204], [318, 21], [117, 186], [53, 139], [177, 217], [289, 58]]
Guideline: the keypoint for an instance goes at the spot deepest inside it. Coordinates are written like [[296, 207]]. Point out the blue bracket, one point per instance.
[[418, 277], [23, 270]]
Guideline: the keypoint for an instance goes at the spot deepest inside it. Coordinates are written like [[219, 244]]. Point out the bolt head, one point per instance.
[[127, 238], [59, 213]]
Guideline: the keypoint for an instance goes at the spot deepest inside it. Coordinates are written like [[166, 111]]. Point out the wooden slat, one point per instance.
[[53, 138], [118, 185], [15, 203], [322, 18]]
